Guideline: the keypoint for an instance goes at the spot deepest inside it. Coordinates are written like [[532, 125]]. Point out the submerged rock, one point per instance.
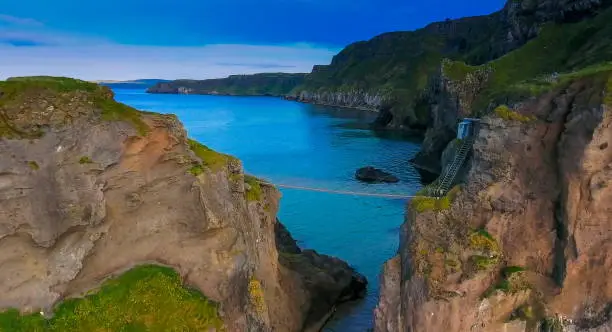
[[374, 175]]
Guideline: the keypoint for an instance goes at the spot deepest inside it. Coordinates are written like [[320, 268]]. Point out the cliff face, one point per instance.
[[265, 84], [397, 67], [90, 188], [560, 52], [524, 244]]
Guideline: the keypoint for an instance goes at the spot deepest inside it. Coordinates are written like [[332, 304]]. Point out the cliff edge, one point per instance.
[[523, 243], [91, 188]]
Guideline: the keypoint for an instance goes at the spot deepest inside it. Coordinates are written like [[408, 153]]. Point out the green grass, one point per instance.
[[85, 160], [146, 298], [16, 89], [424, 203], [114, 111], [215, 161], [608, 97], [33, 165], [573, 50], [483, 263], [196, 170], [457, 70], [510, 281], [510, 270], [506, 113], [254, 193]]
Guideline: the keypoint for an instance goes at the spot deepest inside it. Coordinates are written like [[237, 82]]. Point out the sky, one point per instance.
[[131, 39]]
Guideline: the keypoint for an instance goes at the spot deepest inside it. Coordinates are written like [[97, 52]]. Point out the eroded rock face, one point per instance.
[[90, 198], [526, 242]]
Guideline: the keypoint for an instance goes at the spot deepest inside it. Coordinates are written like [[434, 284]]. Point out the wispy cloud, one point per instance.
[[122, 62], [259, 65], [14, 20], [34, 49]]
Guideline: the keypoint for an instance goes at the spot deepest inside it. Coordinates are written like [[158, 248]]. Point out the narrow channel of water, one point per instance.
[[310, 146]]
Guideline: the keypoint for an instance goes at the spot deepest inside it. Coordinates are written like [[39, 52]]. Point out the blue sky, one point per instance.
[[128, 39]]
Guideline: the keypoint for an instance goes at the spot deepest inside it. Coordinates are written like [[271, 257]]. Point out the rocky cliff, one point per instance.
[[393, 71], [560, 52], [523, 243], [90, 188], [265, 84]]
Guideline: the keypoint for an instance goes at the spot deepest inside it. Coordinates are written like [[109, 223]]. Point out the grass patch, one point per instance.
[[487, 248], [608, 97], [254, 191], [33, 165], [85, 160], [511, 281], [510, 270], [457, 70], [146, 298], [483, 263], [506, 113], [424, 203], [114, 111], [256, 296], [16, 89], [196, 170], [215, 161]]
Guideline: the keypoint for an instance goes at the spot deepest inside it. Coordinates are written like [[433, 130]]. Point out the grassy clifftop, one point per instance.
[[560, 53], [146, 298], [56, 101], [266, 84]]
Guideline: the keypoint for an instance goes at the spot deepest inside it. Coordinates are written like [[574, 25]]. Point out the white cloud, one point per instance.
[[125, 62], [27, 47]]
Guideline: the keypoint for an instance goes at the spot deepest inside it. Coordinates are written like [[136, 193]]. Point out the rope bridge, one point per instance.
[[339, 192]]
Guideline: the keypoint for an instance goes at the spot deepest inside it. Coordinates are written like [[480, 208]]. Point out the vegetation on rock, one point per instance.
[[506, 113], [145, 298], [16, 91], [253, 190], [33, 165], [256, 295], [266, 84], [213, 160], [424, 203], [85, 160]]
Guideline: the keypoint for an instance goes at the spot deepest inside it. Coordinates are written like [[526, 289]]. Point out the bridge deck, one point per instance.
[[339, 192]]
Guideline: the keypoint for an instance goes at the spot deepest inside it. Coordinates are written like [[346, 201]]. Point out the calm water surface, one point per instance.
[[305, 145]]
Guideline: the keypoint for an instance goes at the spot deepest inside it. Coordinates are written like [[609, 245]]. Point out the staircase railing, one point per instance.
[[447, 179]]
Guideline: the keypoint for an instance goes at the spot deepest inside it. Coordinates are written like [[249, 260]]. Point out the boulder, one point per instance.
[[374, 175]]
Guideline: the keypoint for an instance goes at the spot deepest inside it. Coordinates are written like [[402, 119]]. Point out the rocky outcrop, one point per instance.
[[351, 99], [90, 188], [374, 175], [523, 244]]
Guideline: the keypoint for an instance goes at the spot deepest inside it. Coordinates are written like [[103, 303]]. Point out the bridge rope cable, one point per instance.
[[339, 192]]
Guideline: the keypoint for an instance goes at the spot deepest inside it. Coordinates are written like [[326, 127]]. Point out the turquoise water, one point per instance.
[[305, 145]]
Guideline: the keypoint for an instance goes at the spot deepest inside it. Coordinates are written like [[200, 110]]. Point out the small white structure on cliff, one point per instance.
[[467, 127]]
